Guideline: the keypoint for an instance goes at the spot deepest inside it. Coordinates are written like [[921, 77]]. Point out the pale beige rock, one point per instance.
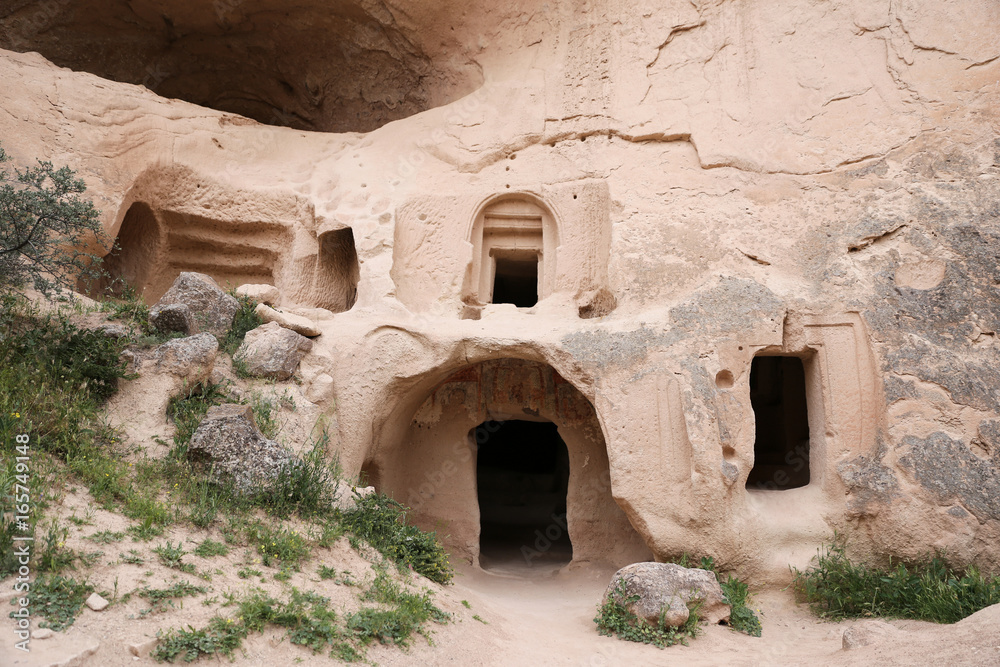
[[96, 602], [666, 592], [866, 633], [191, 358], [42, 633], [267, 294], [143, 648], [272, 351], [320, 389], [297, 323]]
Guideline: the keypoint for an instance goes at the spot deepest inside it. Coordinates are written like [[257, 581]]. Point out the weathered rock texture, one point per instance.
[[667, 592], [229, 442], [272, 351], [696, 185], [193, 304]]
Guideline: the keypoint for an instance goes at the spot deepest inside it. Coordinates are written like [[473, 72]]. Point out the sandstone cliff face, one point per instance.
[[724, 181]]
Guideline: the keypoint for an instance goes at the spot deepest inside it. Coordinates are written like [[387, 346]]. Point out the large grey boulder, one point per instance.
[[172, 317], [210, 308], [670, 591], [191, 358], [228, 439], [272, 351]]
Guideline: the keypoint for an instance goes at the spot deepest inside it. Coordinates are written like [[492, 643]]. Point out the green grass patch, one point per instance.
[[245, 320], [106, 537], [209, 548], [838, 588], [277, 545], [381, 521], [170, 555], [58, 599], [160, 598]]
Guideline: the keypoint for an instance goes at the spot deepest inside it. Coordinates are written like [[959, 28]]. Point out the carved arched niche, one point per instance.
[[514, 241]]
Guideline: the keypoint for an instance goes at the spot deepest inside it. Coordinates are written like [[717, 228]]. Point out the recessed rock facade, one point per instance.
[[706, 185]]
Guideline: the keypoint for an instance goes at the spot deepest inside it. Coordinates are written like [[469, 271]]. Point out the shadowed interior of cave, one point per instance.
[[516, 281], [781, 446], [522, 475], [330, 66]]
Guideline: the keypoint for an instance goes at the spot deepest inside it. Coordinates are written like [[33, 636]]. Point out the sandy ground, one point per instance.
[[528, 618]]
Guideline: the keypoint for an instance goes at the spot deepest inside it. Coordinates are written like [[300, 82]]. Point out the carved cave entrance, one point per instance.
[[781, 447], [522, 478], [506, 460]]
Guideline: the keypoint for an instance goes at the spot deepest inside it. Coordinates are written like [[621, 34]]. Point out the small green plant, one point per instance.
[[247, 572], [106, 537], [122, 302], [159, 598], [170, 555], [53, 555], [465, 603], [145, 530], [246, 319], [838, 588], [133, 557], [278, 545], [222, 636], [209, 548], [615, 617], [741, 616], [380, 521], [59, 599], [475, 617], [326, 572]]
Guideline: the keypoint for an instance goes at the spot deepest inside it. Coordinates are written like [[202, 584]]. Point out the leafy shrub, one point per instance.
[[381, 521], [930, 591], [614, 617], [741, 617], [59, 599], [45, 227]]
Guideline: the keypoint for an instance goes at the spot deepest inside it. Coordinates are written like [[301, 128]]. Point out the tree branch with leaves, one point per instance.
[[46, 227]]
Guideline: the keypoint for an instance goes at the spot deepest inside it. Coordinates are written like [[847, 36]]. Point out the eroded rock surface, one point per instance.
[[195, 303], [229, 442], [668, 591], [272, 351]]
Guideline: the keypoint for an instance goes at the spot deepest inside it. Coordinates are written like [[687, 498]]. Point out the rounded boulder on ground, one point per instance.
[[668, 591]]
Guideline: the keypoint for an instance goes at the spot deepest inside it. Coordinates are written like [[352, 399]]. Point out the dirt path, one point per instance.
[[546, 619]]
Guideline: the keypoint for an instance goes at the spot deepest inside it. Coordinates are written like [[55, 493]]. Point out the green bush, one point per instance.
[[381, 521], [45, 228], [931, 590]]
